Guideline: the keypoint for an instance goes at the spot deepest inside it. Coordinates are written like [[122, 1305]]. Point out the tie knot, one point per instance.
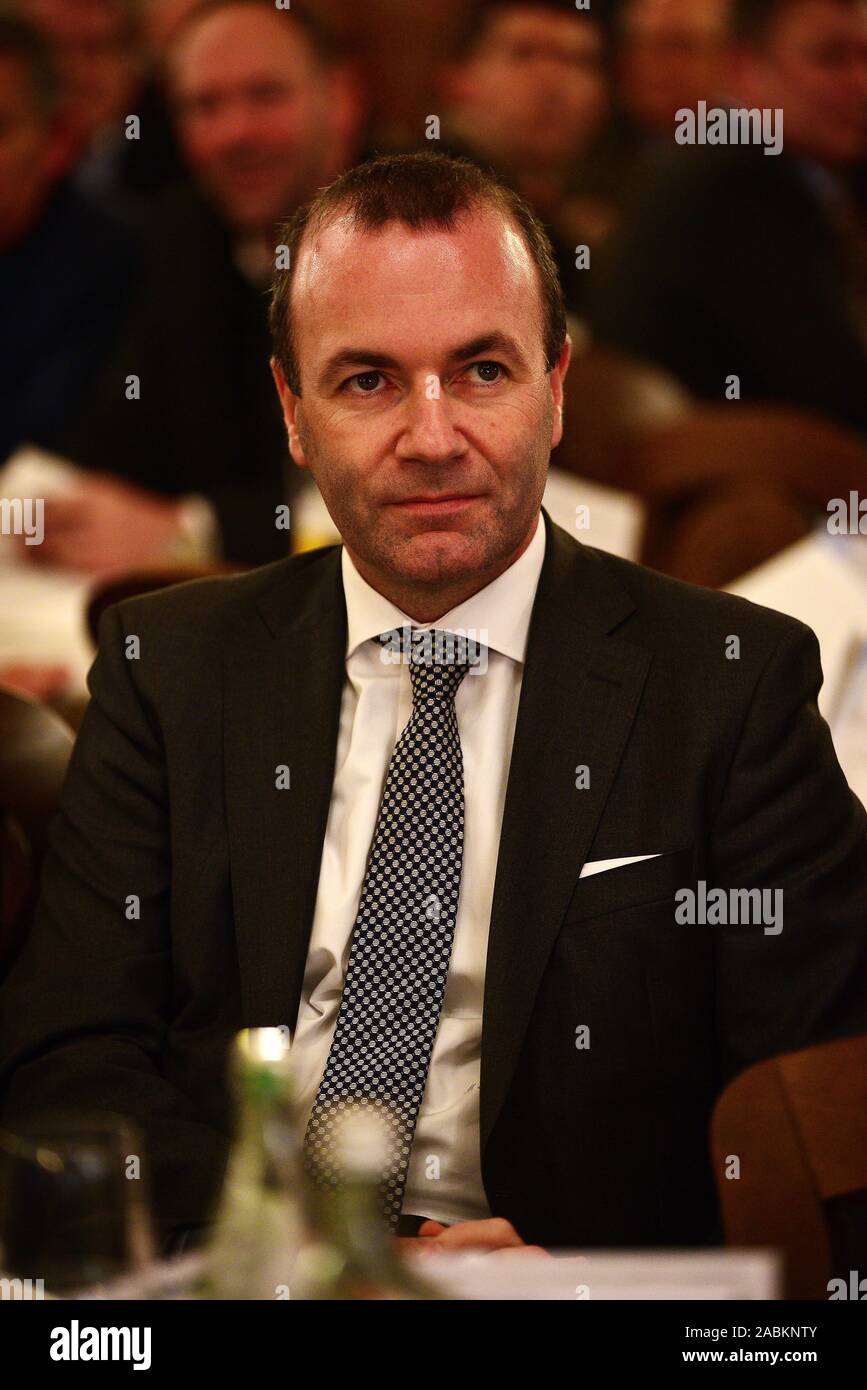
[[437, 660]]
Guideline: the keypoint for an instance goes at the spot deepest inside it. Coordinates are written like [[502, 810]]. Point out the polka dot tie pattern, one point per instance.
[[402, 938]]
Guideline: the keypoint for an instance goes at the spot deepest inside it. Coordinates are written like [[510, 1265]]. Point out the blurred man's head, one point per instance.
[[96, 49], [670, 55], [419, 351], [252, 89], [28, 148], [527, 83], [810, 58]]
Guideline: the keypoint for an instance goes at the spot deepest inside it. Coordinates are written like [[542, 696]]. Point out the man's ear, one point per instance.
[[558, 374], [289, 406]]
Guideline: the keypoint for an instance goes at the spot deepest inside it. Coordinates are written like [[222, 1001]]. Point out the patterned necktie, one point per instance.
[[402, 939]]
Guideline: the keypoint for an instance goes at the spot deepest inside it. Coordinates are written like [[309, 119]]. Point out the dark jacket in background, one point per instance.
[[727, 261], [208, 420], [65, 288], [127, 176]]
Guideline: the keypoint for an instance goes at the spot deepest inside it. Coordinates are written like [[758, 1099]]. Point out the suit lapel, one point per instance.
[[579, 696], [283, 685]]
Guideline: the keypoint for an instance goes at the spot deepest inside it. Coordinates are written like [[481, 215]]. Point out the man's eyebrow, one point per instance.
[[487, 342], [363, 357], [354, 357]]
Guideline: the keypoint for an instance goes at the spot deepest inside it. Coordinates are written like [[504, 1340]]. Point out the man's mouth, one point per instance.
[[445, 502], [247, 171]]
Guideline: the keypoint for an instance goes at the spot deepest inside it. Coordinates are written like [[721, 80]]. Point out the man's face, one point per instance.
[[423, 377], [25, 151], [252, 107], [535, 89], [670, 57], [814, 66]]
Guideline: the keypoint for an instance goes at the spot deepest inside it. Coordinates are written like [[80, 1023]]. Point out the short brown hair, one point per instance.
[[478, 18], [320, 36], [421, 191]]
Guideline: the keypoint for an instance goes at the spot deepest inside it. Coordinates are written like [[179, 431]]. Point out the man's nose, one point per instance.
[[550, 67], [430, 433], [235, 124]]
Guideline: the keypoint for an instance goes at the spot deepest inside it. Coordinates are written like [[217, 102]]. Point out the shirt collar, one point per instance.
[[498, 615]]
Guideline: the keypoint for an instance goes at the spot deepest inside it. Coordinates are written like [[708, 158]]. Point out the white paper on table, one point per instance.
[[812, 581], [822, 580], [42, 611], [615, 519], [566, 1276], [627, 1276]]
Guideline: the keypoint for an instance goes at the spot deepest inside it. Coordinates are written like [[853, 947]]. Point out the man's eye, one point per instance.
[[522, 52], [489, 372], [365, 382]]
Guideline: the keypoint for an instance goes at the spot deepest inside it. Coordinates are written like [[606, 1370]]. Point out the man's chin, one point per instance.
[[439, 555]]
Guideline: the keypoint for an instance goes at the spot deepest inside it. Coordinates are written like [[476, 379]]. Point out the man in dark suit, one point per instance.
[[666, 55], [524, 92], [100, 51], [731, 261], [67, 268], [500, 933]]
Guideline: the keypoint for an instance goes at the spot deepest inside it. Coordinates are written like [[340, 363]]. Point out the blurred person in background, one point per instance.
[[731, 261], [95, 45], [67, 268], [668, 54], [100, 52], [195, 467], [525, 92]]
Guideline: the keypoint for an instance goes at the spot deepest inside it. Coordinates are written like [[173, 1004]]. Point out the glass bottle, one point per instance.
[[259, 1225]]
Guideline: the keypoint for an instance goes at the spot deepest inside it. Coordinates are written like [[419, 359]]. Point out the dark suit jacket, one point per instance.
[[208, 420], [722, 767], [729, 261], [65, 287]]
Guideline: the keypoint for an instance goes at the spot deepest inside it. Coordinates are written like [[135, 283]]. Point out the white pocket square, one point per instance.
[[601, 866]]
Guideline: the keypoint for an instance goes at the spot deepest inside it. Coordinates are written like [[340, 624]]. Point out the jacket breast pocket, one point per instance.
[[631, 886]]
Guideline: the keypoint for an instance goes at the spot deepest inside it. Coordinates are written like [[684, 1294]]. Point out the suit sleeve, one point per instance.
[[85, 1011], [788, 821]]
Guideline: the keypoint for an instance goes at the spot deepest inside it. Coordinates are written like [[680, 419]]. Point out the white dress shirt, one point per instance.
[[444, 1179]]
